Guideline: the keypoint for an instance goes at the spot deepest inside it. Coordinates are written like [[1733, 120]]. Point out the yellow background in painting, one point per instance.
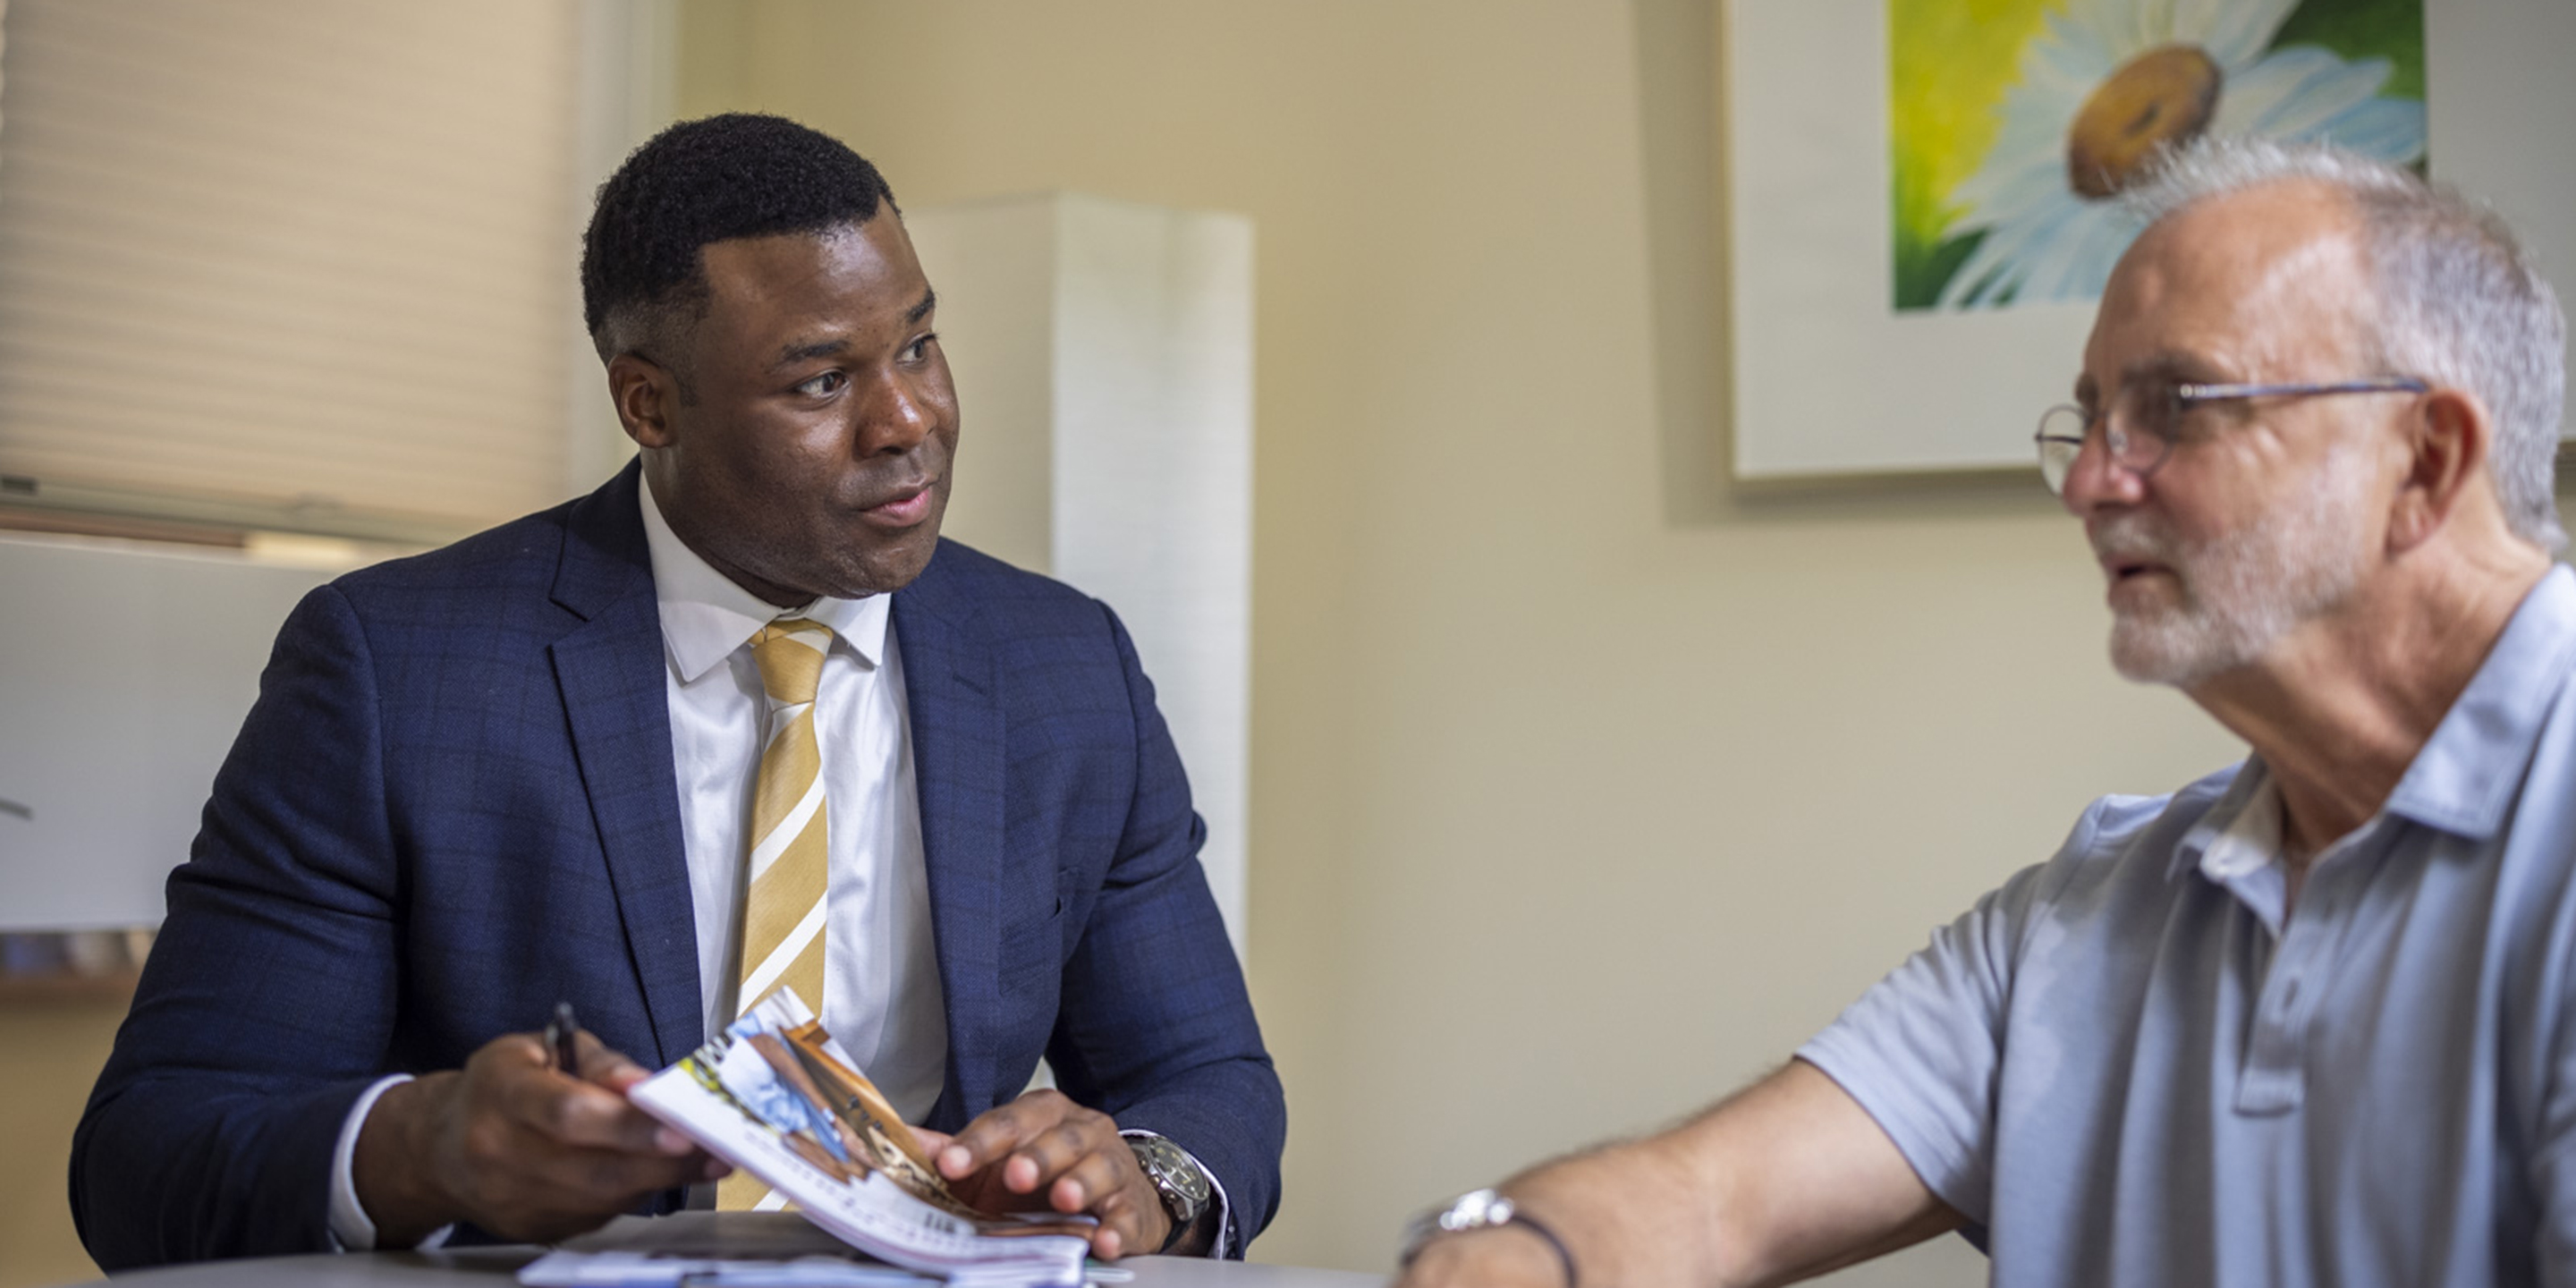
[[1949, 63]]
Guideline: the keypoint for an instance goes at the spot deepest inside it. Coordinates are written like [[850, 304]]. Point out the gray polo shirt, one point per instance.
[[2127, 1066]]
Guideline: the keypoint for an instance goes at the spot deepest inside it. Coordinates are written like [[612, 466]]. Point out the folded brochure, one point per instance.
[[777, 1097]]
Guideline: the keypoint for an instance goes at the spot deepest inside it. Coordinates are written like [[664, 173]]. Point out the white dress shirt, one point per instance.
[[881, 991]]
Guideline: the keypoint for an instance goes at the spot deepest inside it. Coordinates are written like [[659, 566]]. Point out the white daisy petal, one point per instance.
[[2096, 29], [2079, 255], [2036, 272], [2133, 27], [2156, 23], [2026, 164], [1955, 292], [2294, 90], [2246, 97], [2061, 73], [2163, 22], [2106, 240], [2071, 57], [2244, 29], [2000, 263], [2190, 22], [2051, 82], [2036, 114], [2040, 240], [1975, 281], [2019, 193], [2391, 129]]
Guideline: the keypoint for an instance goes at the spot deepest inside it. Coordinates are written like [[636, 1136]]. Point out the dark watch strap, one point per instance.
[[1204, 1224], [1564, 1255], [1184, 1186]]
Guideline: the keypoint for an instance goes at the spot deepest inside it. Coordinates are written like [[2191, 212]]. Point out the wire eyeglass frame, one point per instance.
[[2141, 448]]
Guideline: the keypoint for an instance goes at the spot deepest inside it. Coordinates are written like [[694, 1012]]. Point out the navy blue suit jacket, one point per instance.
[[454, 804]]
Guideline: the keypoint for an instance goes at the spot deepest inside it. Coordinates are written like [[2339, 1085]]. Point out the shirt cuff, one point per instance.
[[351, 1229], [1222, 1206]]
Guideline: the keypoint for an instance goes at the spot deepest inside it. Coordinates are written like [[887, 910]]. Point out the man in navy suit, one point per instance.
[[516, 770]]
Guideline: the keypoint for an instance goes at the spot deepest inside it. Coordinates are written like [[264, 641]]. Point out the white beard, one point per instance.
[[2244, 591]]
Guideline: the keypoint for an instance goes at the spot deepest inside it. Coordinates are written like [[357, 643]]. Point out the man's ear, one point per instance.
[[643, 393], [2448, 434]]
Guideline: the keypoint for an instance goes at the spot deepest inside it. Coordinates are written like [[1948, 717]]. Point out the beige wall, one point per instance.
[[1583, 787], [50, 1052]]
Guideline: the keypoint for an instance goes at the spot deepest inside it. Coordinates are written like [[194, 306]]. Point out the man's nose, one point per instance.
[[2094, 480], [897, 418]]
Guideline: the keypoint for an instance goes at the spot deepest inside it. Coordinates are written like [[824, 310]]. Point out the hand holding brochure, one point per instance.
[[777, 1097]]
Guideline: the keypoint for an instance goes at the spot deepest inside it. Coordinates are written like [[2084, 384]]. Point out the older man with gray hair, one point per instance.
[[2307, 1020]]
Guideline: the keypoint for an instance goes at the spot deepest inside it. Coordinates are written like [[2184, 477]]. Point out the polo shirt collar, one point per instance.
[[2465, 779], [2246, 818], [705, 616]]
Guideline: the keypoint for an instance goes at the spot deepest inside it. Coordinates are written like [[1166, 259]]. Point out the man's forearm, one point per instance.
[[1788, 1178], [1640, 1211]]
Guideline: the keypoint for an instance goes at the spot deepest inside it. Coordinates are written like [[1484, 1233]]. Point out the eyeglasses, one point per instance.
[[2139, 428]]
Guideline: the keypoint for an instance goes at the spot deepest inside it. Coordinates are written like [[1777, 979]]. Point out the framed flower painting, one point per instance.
[[1923, 194]]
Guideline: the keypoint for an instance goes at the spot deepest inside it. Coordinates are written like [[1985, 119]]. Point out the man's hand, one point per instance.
[[1503, 1257], [1044, 1152], [517, 1147]]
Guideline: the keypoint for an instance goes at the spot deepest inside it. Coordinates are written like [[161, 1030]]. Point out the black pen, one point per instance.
[[559, 1031]]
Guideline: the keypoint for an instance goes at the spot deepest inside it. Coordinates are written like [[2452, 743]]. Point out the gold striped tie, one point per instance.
[[782, 915]]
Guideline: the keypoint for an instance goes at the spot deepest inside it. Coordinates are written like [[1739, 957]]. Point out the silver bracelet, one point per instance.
[[1482, 1210]]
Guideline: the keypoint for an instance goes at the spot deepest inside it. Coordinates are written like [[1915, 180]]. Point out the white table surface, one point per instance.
[[499, 1265]]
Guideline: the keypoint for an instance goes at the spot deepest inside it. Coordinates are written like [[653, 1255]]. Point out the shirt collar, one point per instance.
[[2239, 846], [2245, 820], [2465, 779], [705, 616]]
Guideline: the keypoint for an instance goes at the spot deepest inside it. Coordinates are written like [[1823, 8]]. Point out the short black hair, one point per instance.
[[740, 174]]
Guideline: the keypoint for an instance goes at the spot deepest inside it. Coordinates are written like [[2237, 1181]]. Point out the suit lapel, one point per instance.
[[958, 764], [610, 672]]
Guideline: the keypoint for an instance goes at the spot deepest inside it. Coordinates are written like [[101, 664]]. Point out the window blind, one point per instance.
[[311, 253]]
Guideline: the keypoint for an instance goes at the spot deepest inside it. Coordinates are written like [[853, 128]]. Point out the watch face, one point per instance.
[[1473, 1210], [1183, 1186], [1476, 1210]]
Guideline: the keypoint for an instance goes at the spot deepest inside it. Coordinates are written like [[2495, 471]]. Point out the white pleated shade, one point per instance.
[[292, 250]]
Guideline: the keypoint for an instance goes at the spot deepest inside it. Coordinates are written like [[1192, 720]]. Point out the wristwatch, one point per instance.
[[1176, 1177], [1481, 1210]]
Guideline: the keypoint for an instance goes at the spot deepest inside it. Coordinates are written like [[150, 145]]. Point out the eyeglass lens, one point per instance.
[[2141, 429], [2061, 437]]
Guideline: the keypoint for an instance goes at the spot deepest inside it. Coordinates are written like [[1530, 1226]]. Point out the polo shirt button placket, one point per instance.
[[2274, 1076]]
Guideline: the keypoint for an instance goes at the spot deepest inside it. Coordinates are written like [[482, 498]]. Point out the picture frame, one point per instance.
[[1829, 381]]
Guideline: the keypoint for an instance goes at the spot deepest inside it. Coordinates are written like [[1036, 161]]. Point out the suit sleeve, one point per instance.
[[266, 1004], [1155, 1026]]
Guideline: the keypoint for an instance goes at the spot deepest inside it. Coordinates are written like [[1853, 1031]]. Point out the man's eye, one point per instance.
[[822, 385], [2155, 408], [921, 348]]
